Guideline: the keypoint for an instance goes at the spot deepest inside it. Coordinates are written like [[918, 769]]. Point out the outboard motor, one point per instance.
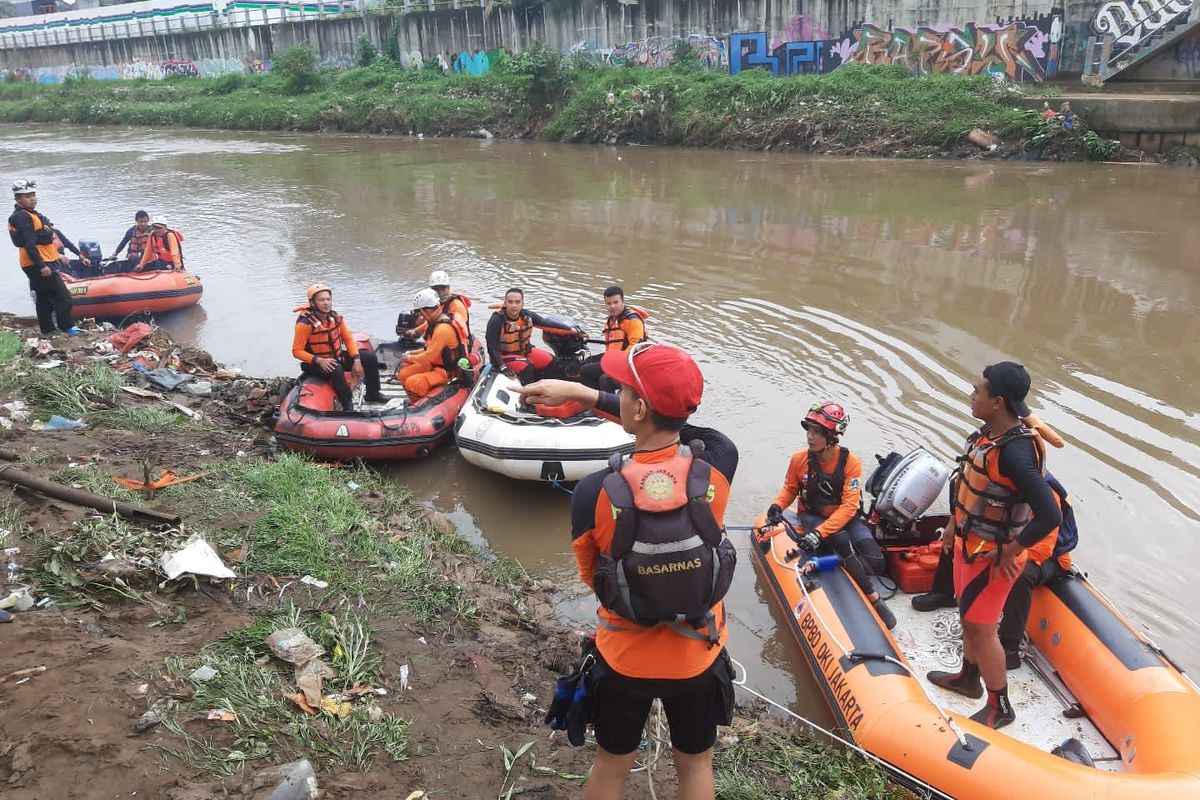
[[90, 249], [567, 341], [904, 487]]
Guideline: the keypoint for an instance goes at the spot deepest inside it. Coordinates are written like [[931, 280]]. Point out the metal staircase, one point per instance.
[[1126, 34]]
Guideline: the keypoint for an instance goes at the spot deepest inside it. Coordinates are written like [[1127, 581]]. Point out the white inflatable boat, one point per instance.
[[495, 432]]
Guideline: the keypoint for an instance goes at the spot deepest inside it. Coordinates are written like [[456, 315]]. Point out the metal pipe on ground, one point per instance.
[[79, 497]]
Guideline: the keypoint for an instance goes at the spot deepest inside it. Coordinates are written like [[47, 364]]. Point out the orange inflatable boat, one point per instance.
[[309, 421], [1122, 719], [113, 296]]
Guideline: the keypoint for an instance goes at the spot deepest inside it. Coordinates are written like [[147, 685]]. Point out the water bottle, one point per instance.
[[12, 571], [824, 563]]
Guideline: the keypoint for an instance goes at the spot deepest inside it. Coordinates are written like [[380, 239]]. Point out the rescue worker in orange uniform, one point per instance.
[[825, 482], [33, 236], [454, 305], [509, 332], [164, 249], [1001, 505], [669, 497], [1048, 560], [136, 238], [325, 347], [422, 371], [624, 328]]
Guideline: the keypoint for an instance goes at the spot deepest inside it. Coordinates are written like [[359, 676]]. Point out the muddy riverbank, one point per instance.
[[126, 682], [861, 111]]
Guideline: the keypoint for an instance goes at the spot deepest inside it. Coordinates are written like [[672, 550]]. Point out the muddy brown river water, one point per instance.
[[886, 285]]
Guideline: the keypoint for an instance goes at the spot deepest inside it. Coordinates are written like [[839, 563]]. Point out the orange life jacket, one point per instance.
[[451, 355], [162, 248], [985, 503], [615, 336], [515, 334], [45, 240], [137, 243], [325, 341]]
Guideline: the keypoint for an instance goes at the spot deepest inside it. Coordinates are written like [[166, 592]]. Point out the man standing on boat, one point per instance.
[[648, 538], [825, 481], [33, 236], [1001, 504]]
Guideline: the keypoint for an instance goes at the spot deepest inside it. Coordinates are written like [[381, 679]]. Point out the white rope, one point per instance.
[[815, 728]]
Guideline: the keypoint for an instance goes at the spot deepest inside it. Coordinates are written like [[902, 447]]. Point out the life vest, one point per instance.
[[670, 561], [137, 242], [984, 502], [515, 334], [161, 248], [466, 302], [823, 493], [450, 355], [325, 341], [616, 337], [43, 236]]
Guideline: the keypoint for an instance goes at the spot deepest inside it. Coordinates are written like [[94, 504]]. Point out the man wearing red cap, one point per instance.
[[673, 492]]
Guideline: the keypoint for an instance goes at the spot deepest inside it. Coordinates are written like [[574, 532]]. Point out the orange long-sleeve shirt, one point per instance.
[[443, 336], [796, 482], [172, 245], [304, 330], [455, 308]]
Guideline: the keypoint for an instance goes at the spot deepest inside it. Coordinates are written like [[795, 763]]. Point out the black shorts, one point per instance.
[[694, 707]]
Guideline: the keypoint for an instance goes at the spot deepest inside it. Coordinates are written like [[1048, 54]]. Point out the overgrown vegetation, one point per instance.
[[766, 764], [855, 109], [70, 391]]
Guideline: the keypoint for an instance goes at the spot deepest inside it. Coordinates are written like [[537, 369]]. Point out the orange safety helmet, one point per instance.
[[829, 416], [316, 289]]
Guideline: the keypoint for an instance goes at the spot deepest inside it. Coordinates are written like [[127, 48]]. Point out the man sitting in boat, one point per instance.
[[509, 332], [326, 348], [164, 249], [422, 371], [1001, 504], [136, 238], [624, 328], [1048, 560], [826, 482], [456, 306]]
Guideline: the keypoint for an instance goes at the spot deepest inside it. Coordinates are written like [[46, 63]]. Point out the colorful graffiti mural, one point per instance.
[[1020, 50], [476, 63], [138, 68], [658, 52], [1129, 22], [750, 51]]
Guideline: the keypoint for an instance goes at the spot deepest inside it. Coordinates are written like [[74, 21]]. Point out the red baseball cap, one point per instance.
[[664, 376]]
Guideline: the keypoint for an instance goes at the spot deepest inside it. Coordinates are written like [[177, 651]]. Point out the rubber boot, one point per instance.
[[966, 681], [998, 712], [931, 601]]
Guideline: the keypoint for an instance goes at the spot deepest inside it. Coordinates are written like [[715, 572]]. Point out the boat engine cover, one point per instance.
[[907, 486]]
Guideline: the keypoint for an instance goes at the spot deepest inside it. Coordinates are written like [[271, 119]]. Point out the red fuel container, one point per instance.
[[913, 567]]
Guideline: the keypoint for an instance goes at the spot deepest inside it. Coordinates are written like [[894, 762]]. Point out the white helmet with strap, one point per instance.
[[25, 186], [439, 277], [427, 298]]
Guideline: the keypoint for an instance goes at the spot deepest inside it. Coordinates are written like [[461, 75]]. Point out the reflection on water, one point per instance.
[[885, 285]]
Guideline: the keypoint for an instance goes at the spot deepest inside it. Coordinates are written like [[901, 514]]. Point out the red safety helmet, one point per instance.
[[827, 415]]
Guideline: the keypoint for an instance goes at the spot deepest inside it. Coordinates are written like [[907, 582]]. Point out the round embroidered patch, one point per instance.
[[658, 485]]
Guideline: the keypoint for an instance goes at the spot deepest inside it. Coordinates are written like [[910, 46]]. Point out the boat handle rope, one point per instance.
[[962, 737], [814, 728]]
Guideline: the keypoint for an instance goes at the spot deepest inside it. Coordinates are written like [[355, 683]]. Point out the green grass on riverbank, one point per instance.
[[854, 110]]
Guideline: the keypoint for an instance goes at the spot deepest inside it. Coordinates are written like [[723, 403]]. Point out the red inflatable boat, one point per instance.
[[310, 423], [114, 296]]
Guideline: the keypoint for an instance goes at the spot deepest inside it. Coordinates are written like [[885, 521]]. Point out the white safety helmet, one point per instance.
[[427, 298], [439, 277], [30, 187], [159, 219]]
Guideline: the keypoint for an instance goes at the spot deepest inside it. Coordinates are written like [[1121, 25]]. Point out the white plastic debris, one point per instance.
[[316, 582], [404, 676], [196, 557], [202, 674]]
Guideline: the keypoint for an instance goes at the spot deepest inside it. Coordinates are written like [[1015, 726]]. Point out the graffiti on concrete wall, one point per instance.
[[750, 51], [1021, 50], [1129, 22], [146, 69], [658, 52], [476, 63]]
